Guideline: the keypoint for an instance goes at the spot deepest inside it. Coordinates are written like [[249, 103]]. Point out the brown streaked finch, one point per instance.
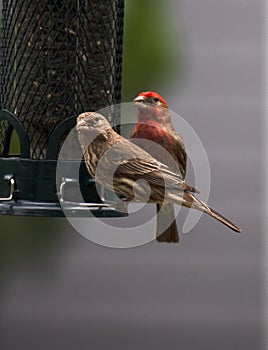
[[118, 165]]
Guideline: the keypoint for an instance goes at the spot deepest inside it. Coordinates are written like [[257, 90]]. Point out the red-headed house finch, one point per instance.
[[104, 150], [154, 124]]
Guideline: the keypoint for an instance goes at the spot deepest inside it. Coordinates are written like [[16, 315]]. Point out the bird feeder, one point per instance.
[[59, 58]]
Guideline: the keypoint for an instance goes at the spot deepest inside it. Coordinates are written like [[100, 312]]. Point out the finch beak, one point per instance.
[[81, 124], [139, 99]]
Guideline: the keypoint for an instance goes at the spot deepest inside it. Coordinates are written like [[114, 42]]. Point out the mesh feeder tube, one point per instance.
[[59, 58]]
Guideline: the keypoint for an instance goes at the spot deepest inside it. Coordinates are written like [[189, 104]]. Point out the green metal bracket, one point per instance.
[[56, 136], [16, 124], [29, 187]]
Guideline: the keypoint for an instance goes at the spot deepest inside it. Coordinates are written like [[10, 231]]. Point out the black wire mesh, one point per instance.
[[5, 135], [59, 58]]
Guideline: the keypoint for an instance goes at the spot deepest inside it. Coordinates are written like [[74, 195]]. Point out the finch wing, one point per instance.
[[155, 173], [179, 152]]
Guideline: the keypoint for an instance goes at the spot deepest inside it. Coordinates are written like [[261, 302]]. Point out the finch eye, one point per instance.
[[97, 119], [156, 99]]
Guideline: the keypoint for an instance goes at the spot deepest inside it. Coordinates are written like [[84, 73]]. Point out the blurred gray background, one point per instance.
[[60, 291]]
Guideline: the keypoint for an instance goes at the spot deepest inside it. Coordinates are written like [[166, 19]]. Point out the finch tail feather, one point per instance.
[[191, 202], [169, 234], [222, 219]]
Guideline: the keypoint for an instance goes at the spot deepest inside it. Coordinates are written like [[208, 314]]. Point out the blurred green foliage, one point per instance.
[[14, 144], [24, 239], [151, 53]]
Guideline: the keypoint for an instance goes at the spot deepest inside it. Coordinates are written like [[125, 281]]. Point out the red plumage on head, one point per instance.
[[152, 94]]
